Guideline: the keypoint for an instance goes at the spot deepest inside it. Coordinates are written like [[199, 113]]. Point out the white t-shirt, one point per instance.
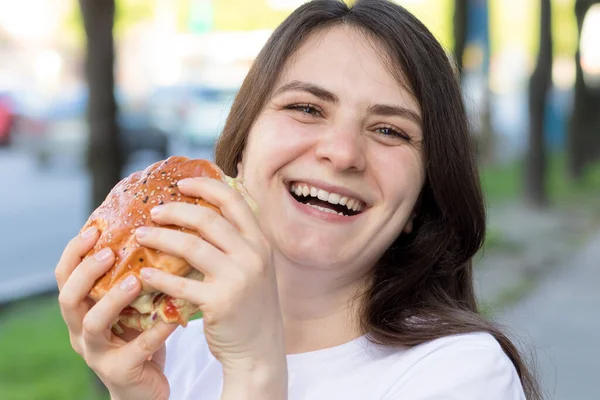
[[466, 367]]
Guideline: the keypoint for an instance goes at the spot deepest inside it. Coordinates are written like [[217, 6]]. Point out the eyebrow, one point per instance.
[[325, 95], [315, 90], [396, 111]]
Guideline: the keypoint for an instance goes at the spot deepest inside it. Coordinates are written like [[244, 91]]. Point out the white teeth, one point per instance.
[[325, 209], [349, 204], [322, 195], [333, 198]]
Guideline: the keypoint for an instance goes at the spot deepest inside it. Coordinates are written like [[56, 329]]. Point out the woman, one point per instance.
[[355, 279]]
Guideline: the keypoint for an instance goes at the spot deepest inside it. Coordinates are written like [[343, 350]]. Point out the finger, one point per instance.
[[229, 201], [99, 320], [160, 356], [199, 253], [148, 343], [212, 227], [79, 284], [176, 286], [74, 252]]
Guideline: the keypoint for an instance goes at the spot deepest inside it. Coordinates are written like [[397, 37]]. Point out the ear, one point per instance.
[[409, 224], [240, 170]]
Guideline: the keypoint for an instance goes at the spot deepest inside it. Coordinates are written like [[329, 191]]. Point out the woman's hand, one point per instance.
[[238, 296], [129, 365]]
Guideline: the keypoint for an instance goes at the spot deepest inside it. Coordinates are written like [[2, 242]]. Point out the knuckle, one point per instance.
[[76, 344], [145, 344], [232, 200], [204, 219], [89, 325], [182, 287], [58, 274], [66, 301], [189, 243]]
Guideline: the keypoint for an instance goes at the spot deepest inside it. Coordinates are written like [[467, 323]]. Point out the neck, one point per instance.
[[319, 307]]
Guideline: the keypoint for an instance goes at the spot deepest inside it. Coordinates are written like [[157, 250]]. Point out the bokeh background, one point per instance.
[[93, 90]]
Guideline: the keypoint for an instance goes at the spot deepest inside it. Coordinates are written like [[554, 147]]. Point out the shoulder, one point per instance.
[[467, 366]]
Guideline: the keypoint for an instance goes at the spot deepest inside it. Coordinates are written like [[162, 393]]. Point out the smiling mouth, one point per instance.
[[325, 201]]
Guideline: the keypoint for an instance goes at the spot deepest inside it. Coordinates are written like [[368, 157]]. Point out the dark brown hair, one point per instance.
[[422, 288]]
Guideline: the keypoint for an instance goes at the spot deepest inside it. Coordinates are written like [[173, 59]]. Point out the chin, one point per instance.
[[314, 250]]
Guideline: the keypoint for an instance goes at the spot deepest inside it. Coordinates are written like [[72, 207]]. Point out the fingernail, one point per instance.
[[184, 182], [128, 283], [156, 210], [142, 232], [147, 273], [88, 233], [103, 255]]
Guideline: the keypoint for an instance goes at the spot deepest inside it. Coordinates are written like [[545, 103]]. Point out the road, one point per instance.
[[40, 210], [562, 318]]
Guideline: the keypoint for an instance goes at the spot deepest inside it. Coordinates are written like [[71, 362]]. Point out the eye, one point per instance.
[[391, 132], [308, 109]]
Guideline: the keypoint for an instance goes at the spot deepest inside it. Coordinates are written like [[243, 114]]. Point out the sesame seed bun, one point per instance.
[[126, 208]]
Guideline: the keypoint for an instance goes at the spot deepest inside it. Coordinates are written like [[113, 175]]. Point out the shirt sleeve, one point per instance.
[[465, 369]]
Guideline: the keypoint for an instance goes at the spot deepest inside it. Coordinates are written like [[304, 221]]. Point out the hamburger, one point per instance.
[[126, 208]]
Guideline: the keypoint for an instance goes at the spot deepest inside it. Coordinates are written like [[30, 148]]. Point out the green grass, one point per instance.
[[36, 359], [505, 182]]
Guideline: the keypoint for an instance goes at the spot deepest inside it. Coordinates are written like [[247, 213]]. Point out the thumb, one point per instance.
[[148, 343]]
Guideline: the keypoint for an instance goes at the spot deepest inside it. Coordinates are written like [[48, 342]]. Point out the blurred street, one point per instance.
[[41, 209], [560, 320]]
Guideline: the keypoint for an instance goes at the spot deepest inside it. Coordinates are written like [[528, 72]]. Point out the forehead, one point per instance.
[[344, 59]]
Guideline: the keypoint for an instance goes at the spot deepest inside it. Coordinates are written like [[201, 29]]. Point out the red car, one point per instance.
[[7, 119]]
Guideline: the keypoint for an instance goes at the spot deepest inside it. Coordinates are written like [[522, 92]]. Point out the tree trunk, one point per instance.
[[460, 31], [104, 154], [541, 80], [583, 140]]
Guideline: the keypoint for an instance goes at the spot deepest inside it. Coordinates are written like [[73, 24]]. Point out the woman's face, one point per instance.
[[338, 128]]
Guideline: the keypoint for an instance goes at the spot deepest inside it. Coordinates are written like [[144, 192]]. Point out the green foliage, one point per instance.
[[504, 182], [36, 359], [128, 13]]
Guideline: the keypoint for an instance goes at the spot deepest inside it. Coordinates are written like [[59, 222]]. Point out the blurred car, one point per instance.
[[7, 118], [195, 114], [67, 134]]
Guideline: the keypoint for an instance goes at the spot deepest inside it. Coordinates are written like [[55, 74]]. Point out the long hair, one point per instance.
[[425, 276]]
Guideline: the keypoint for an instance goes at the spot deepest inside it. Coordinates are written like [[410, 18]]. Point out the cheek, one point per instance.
[[276, 140], [400, 175]]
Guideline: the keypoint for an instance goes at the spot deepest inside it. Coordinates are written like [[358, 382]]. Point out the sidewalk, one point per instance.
[[560, 320], [526, 245]]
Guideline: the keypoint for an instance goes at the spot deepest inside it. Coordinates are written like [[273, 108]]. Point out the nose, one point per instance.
[[343, 148]]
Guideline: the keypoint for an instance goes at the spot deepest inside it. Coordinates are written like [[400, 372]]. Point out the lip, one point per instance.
[[321, 215], [331, 189]]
